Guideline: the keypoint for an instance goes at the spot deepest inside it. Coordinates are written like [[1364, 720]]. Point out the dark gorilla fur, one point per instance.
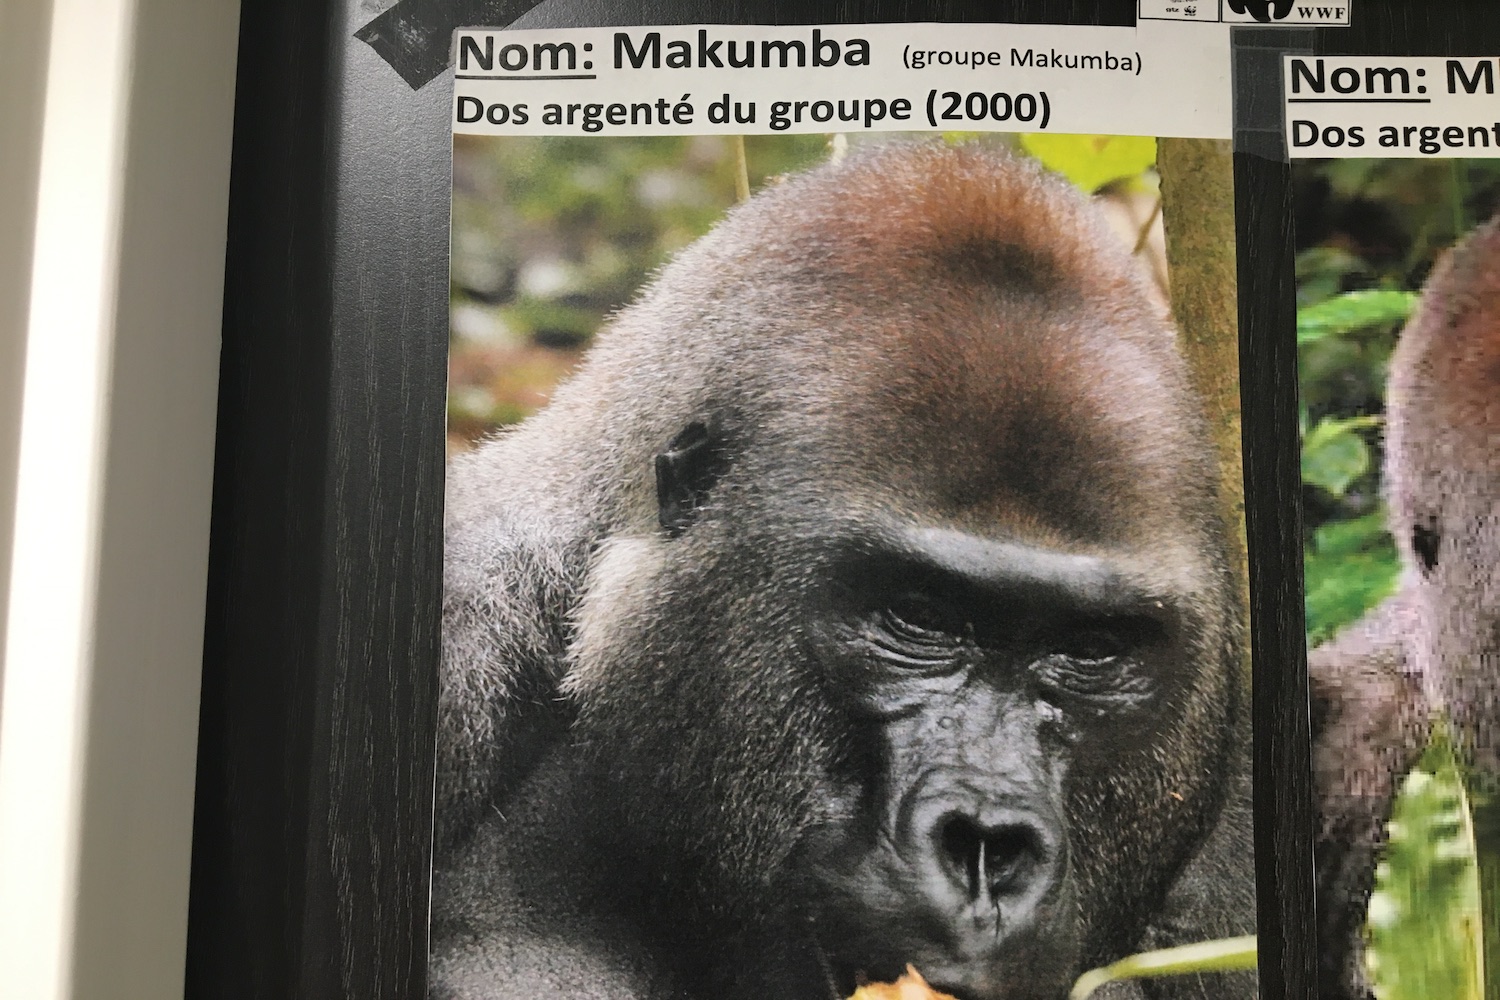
[[1370, 724], [888, 496], [1437, 642]]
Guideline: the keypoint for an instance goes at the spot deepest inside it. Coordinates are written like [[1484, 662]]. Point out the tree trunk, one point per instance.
[[1197, 185]]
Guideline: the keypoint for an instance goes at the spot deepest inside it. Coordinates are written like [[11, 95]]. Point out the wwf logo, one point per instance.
[[1262, 10]]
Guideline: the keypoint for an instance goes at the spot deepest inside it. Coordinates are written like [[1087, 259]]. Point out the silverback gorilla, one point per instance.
[[860, 601], [1437, 641]]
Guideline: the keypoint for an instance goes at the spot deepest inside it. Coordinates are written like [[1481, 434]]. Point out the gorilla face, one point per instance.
[[982, 675], [927, 734], [940, 678], [908, 636], [1443, 477]]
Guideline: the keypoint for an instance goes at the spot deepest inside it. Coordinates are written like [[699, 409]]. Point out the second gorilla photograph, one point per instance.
[[1398, 331]]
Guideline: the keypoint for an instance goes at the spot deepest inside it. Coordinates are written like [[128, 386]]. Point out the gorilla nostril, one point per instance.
[[991, 862]]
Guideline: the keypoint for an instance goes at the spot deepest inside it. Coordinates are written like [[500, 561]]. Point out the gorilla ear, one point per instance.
[[686, 470], [1425, 540]]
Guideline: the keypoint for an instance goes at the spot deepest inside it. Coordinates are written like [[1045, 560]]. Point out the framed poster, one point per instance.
[[322, 696], [1389, 188], [816, 606]]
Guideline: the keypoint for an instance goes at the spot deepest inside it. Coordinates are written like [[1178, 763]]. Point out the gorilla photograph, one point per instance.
[[844, 572], [1398, 331]]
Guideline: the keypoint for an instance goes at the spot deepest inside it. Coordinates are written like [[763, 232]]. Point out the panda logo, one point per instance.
[[1262, 10]]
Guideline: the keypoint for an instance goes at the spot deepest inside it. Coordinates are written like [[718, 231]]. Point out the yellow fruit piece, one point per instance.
[[909, 987]]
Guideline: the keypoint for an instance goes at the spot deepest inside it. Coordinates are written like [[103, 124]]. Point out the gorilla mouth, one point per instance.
[[842, 984], [953, 992], [907, 986], [877, 948]]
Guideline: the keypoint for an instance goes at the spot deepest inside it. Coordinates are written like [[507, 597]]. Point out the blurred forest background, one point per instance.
[[551, 235], [1368, 233]]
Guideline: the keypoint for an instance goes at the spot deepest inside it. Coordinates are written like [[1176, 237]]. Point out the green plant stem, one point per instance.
[[741, 170], [1459, 181], [1225, 955], [1486, 810]]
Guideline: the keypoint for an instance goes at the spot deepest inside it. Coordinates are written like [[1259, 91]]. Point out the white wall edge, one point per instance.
[[109, 539]]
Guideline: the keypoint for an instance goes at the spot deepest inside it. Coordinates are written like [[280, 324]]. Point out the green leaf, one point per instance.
[[1334, 455], [1226, 955], [1092, 161], [1424, 923], [1350, 567], [1323, 272], [1353, 311]]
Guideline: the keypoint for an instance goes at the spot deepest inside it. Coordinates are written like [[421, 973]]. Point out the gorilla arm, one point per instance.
[[516, 549], [1369, 727]]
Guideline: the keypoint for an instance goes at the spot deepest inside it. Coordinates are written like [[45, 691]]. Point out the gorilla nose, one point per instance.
[[992, 871], [991, 864]]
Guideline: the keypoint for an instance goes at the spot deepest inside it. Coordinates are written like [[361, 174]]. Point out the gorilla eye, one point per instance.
[[922, 617], [1092, 645], [1098, 661], [1425, 539], [918, 632], [686, 472]]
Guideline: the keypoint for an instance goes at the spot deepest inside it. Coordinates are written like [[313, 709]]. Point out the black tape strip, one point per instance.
[[1259, 112], [415, 36]]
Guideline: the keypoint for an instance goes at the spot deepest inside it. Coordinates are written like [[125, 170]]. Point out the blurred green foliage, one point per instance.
[[552, 234], [1349, 567], [1424, 922], [1093, 161], [1350, 563], [1351, 312], [1369, 232]]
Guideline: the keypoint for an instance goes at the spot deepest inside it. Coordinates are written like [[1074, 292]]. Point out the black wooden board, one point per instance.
[[315, 756]]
